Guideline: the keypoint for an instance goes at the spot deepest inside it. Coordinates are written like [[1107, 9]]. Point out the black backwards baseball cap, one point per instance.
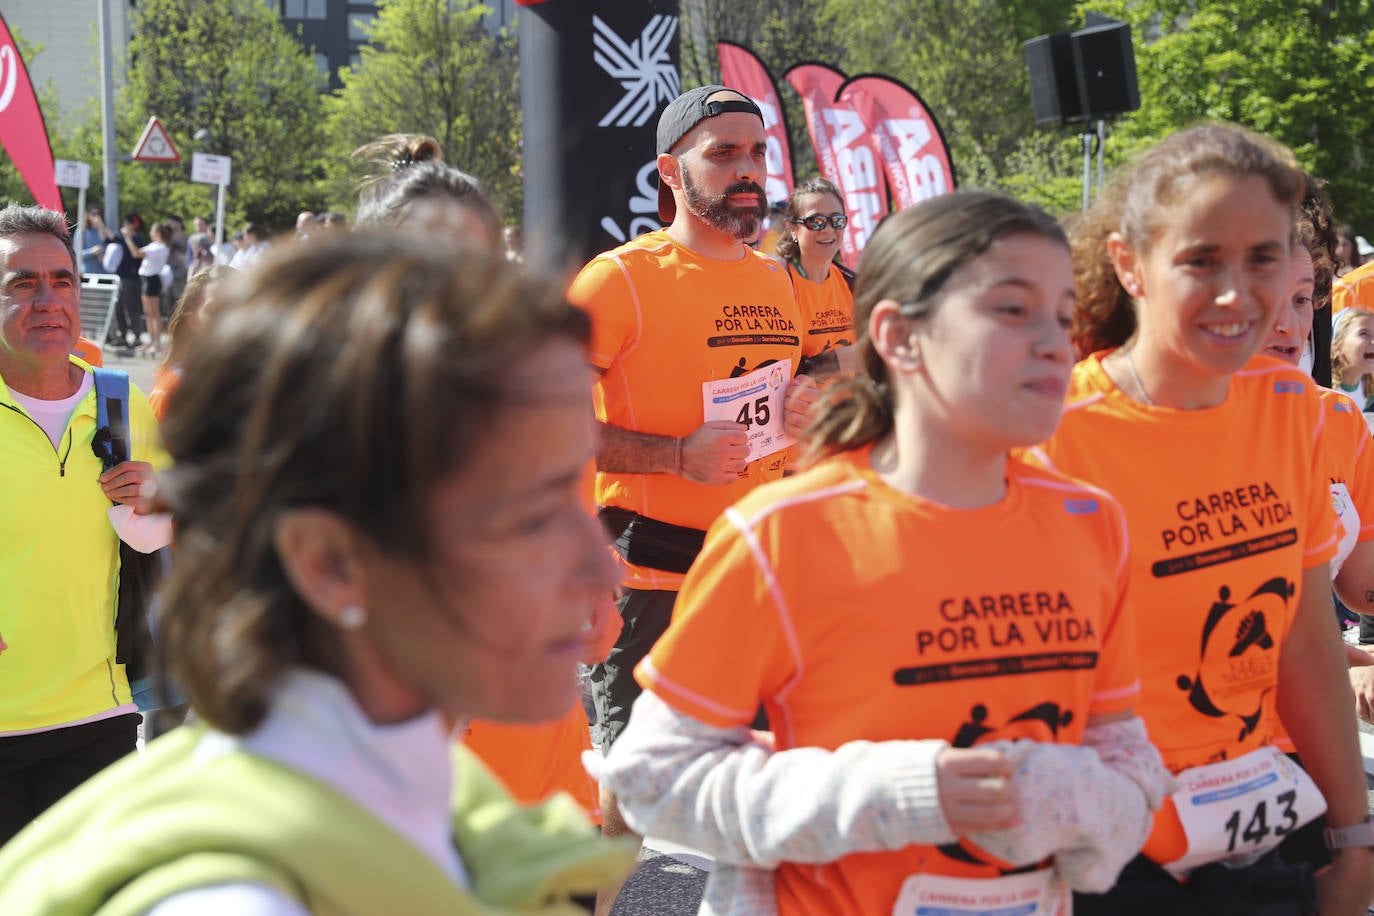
[[682, 114]]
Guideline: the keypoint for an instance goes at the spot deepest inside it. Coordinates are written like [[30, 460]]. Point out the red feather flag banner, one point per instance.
[[911, 145], [740, 69], [23, 132], [846, 152]]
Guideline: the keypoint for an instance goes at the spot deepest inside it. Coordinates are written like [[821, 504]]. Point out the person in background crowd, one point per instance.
[[65, 707], [378, 444], [120, 260], [185, 330], [809, 244], [94, 238], [152, 258]]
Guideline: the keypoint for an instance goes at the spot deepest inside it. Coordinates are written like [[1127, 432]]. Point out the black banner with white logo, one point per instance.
[[595, 75]]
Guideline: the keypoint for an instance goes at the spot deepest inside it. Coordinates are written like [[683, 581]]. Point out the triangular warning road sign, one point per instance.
[[155, 145]]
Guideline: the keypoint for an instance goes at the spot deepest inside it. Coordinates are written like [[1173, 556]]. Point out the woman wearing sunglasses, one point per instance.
[[813, 222]]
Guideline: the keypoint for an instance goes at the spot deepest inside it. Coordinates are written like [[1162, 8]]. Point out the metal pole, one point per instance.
[[80, 247], [1087, 168], [1101, 146], [107, 115], [219, 220]]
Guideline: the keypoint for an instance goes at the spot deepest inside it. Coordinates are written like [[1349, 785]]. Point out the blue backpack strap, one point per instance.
[[111, 443]]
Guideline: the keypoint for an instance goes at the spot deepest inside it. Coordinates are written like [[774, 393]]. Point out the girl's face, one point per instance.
[[990, 366], [491, 624], [1356, 349], [818, 244], [1293, 322], [1212, 279]]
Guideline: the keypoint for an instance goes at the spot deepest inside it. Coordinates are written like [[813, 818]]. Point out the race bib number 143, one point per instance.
[[1237, 810]]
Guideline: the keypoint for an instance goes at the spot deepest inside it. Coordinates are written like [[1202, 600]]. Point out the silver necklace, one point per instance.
[[1135, 377]]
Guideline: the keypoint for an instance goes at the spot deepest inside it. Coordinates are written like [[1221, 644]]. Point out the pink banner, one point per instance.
[[846, 152], [740, 69], [910, 143], [22, 131]]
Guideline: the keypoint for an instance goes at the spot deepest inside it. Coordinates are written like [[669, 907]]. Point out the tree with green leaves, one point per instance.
[[1297, 71], [227, 68], [434, 67]]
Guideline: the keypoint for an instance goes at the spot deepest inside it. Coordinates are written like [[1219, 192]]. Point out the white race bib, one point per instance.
[[1035, 893], [1350, 524], [1235, 811], [755, 402]]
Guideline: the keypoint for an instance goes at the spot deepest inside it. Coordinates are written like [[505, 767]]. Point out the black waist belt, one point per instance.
[[646, 541]]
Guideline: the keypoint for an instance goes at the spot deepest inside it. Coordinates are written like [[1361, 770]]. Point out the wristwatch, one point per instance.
[[1361, 834]]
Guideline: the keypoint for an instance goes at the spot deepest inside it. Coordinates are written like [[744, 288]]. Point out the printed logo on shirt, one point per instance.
[[1041, 722], [1238, 664], [1289, 387], [1080, 506], [1343, 406], [745, 325], [1030, 631], [1250, 512]]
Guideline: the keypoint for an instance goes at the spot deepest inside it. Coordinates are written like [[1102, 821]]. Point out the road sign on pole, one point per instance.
[[209, 169], [155, 145], [72, 174]]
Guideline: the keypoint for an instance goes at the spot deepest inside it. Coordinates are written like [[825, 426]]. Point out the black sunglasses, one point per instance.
[[816, 222]]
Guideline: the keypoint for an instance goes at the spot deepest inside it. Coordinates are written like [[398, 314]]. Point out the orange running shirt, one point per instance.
[[827, 310], [1350, 473], [665, 320], [1227, 506], [89, 352], [1355, 290], [859, 612], [536, 761], [166, 382]]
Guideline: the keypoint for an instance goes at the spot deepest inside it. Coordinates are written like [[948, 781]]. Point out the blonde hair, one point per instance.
[[1344, 322]]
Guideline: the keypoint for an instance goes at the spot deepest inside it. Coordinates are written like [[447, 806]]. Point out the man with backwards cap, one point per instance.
[[696, 338]]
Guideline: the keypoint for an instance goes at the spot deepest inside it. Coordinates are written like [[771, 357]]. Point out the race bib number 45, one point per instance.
[[754, 401], [1237, 810]]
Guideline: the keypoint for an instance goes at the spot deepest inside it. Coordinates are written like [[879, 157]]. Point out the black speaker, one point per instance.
[[1104, 69], [1053, 84]]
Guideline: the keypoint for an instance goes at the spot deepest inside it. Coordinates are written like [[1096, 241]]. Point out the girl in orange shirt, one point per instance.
[[1216, 457], [936, 629], [184, 331]]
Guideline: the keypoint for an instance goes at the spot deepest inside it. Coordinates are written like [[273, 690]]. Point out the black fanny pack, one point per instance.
[[646, 541]]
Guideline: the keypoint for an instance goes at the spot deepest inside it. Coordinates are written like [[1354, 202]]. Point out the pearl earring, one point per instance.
[[351, 617]]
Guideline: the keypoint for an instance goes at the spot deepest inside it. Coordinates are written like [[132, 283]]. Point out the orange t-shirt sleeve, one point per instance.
[[1361, 481], [1323, 527], [726, 599], [1117, 686], [603, 291]]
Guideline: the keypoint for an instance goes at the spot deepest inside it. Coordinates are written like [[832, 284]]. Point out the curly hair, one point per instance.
[[1136, 203]]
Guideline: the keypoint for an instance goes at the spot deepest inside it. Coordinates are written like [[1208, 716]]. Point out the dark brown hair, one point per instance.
[[910, 258], [1136, 203], [351, 375], [409, 168], [788, 249]]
